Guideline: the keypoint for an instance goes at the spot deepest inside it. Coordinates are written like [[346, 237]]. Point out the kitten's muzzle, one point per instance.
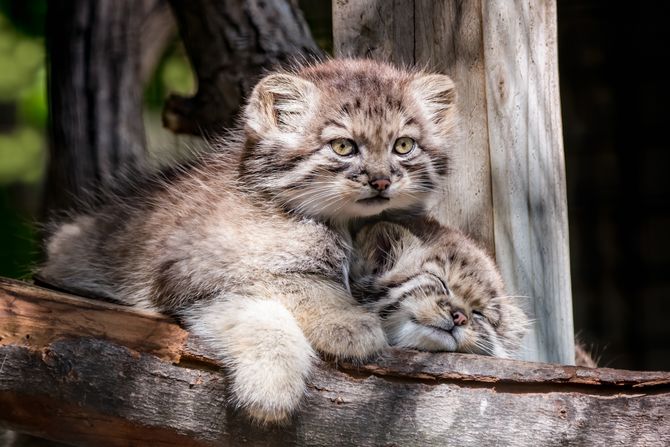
[[447, 324]]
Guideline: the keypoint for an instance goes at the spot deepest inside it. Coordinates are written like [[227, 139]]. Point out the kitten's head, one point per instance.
[[439, 293], [349, 138]]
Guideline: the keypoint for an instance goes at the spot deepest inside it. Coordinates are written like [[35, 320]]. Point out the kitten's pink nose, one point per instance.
[[380, 184], [459, 318]]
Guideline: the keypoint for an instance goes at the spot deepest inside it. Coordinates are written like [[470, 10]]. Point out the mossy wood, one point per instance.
[[87, 372]]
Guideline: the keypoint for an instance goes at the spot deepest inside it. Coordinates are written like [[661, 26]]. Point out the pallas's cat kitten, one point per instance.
[[435, 289], [252, 254]]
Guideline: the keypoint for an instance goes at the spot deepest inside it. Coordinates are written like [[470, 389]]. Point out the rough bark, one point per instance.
[[95, 97], [103, 374], [230, 43]]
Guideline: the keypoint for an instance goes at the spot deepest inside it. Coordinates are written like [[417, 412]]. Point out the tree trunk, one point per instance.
[[95, 97], [230, 43]]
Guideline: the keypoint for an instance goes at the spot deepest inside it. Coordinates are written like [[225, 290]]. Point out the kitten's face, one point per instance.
[[349, 138], [442, 295]]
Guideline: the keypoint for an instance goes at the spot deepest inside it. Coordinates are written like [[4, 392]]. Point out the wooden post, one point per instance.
[[508, 183], [88, 373]]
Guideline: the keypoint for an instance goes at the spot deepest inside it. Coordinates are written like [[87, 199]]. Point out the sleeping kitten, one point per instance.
[[248, 247], [435, 290]]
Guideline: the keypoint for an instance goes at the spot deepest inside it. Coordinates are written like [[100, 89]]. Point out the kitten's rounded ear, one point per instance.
[[436, 96], [381, 245], [280, 102]]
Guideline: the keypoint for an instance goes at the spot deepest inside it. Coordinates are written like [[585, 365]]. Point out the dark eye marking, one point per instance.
[[444, 285], [336, 168], [389, 309], [334, 122]]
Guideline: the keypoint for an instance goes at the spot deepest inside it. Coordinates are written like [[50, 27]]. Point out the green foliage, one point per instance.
[[23, 83], [21, 58], [22, 140], [18, 238], [32, 102], [21, 156], [173, 75]]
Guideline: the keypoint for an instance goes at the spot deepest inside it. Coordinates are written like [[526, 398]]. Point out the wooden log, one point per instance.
[[508, 183], [91, 373]]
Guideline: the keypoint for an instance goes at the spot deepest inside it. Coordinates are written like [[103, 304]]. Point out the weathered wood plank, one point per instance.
[[36, 316], [31, 315], [529, 200], [508, 184], [109, 388]]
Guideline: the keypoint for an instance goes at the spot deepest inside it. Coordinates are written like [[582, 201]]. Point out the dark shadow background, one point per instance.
[[614, 96]]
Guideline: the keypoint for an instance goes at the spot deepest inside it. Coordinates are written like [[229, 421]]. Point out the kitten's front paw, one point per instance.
[[351, 335], [264, 350], [268, 379], [269, 399]]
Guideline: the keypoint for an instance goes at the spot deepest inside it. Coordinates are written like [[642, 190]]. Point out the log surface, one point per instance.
[[507, 189], [91, 373]]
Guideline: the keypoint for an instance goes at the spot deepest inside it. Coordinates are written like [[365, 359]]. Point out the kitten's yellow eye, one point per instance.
[[343, 146], [403, 145]]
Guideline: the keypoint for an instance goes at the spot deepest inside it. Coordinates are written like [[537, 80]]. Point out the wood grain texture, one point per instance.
[[529, 200], [88, 387], [507, 189]]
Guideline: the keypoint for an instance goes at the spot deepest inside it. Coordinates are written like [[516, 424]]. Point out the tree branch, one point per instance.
[[230, 43]]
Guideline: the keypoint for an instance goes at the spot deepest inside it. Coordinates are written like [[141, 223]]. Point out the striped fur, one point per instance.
[[416, 282], [248, 246], [369, 103]]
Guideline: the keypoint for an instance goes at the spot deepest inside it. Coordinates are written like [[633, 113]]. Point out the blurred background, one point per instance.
[[617, 158]]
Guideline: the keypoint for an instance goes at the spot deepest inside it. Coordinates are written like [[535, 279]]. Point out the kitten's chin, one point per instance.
[[357, 209], [378, 205]]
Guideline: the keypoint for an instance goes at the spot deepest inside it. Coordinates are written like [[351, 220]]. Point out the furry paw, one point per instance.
[[355, 334], [268, 394], [264, 350]]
